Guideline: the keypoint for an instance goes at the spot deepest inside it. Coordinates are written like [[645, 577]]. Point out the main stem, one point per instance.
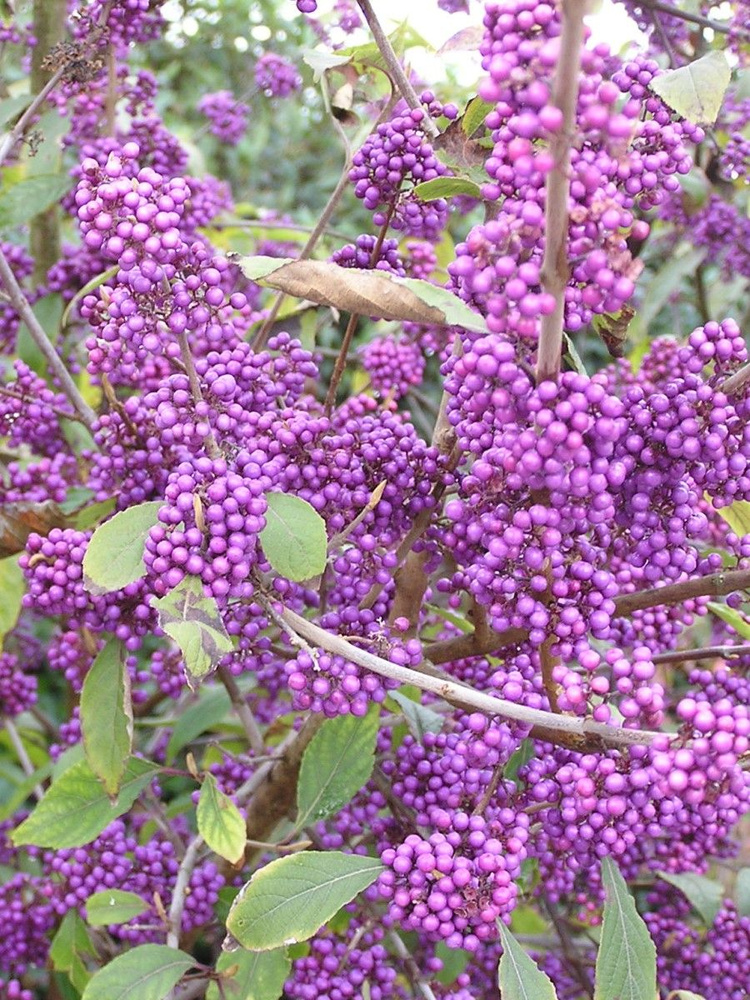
[[555, 267]]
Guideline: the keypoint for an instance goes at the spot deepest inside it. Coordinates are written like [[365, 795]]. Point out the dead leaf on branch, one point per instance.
[[364, 293], [461, 153], [19, 520]]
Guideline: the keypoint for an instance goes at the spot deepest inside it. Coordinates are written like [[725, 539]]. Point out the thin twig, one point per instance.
[[23, 758], [320, 228], [555, 267], [243, 710], [683, 15], [212, 448], [703, 653], [42, 341], [9, 140], [395, 68], [179, 896]]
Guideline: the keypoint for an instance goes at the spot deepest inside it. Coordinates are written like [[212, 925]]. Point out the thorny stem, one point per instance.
[[394, 66], [57, 367], [555, 267]]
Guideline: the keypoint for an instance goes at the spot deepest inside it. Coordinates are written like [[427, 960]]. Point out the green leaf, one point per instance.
[[419, 718], [517, 759], [195, 623], [76, 809], [455, 312], [572, 356], [737, 516], [210, 709], [519, 977], [114, 556], [259, 975], [258, 266], [113, 906], [107, 715], [703, 894], [69, 948], [294, 539], [454, 962], [21, 202], [335, 766], [220, 822], [662, 285], [48, 311], [447, 187], [732, 617], [742, 892], [474, 115], [88, 288], [11, 107], [148, 972], [626, 962], [291, 898], [12, 587], [696, 91]]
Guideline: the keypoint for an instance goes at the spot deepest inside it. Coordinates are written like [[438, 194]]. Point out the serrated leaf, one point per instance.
[[447, 187], [107, 715], [335, 766], [419, 718], [193, 620], [210, 709], [259, 975], [114, 555], [12, 588], [626, 961], [703, 894], [69, 949], [294, 539], [76, 809], [20, 202], [742, 892], [732, 617], [519, 977], [737, 516], [148, 972], [365, 293], [695, 91], [291, 898], [113, 906], [220, 822]]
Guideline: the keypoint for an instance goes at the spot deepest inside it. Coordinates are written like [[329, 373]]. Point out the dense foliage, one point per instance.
[[375, 502]]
